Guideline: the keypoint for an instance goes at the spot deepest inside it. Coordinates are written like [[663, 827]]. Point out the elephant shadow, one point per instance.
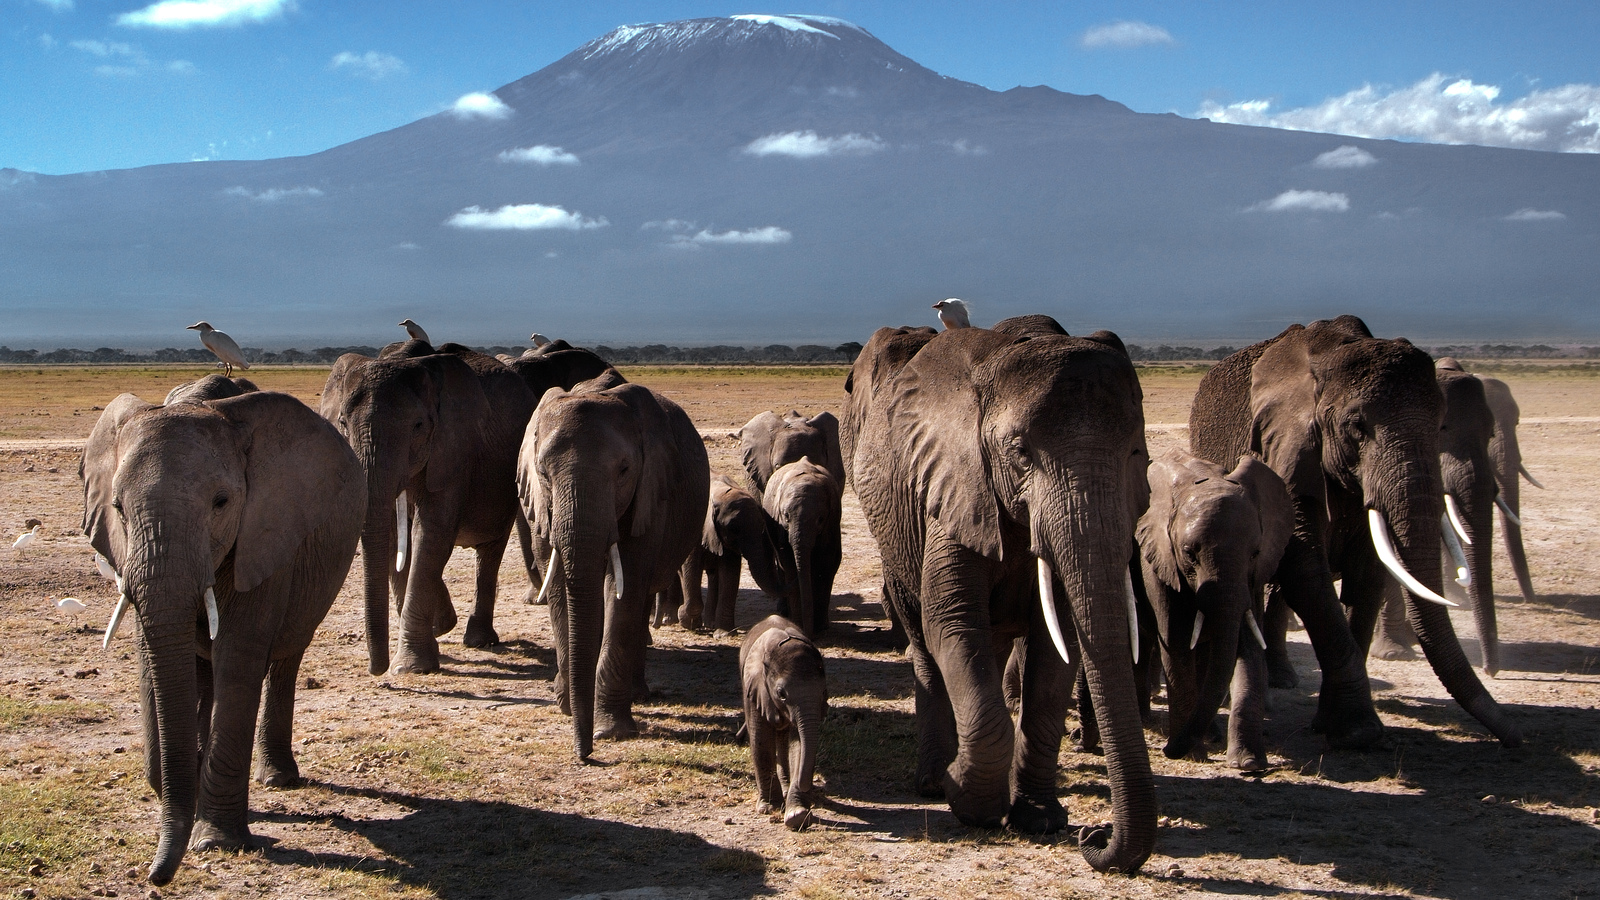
[[488, 849], [1425, 828], [1586, 605]]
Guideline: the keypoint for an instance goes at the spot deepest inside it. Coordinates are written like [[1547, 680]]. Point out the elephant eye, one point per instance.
[[220, 502], [117, 505]]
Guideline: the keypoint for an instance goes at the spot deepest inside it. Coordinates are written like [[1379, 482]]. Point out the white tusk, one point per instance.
[[116, 620], [1526, 474], [1505, 508], [616, 569], [1457, 555], [104, 565], [1199, 623], [1255, 629], [211, 612], [1133, 615], [1387, 555], [402, 528], [549, 575], [1047, 603], [1455, 518]]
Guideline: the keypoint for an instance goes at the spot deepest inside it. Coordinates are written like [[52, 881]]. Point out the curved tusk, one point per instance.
[[549, 573], [1133, 614], [1047, 603], [402, 528], [1457, 554], [1454, 514], [1505, 508], [1531, 480], [616, 569], [116, 621], [1255, 629], [211, 612], [1199, 623], [1384, 544]]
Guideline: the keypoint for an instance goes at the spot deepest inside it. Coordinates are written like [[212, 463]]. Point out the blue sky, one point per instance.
[[100, 84]]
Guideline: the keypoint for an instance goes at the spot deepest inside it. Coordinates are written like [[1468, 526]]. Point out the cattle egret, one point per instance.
[[223, 346], [71, 605], [538, 339], [953, 313], [416, 332], [104, 565], [27, 537]]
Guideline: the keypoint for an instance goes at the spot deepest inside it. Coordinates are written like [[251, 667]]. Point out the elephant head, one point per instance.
[[803, 501], [1208, 544], [196, 505], [736, 524], [1467, 473], [413, 422], [769, 441]]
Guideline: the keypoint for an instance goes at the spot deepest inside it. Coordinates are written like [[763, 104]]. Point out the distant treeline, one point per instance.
[[653, 354]]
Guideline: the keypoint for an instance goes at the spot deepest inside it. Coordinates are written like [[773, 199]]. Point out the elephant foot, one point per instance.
[[1036, 815], [975, 809], [1281, 674], [691, 623], [1246, 760], [1360, 733], [797, 818], [479, 634], [1385, 647], [725, 633], [1085, 742], [277, 771], [615, 727], [416, 661], [211, 836], [531, 596], [445, 620]]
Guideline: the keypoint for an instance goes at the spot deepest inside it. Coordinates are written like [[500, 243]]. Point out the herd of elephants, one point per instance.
[[1030, 549]]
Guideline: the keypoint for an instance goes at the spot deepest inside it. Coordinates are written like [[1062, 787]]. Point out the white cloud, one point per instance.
[[109, 50], [1304, 201], [371, 64], [180, 66], [668, 225], [1125, 35], [479, 105], [47, 42], [184, 14], [541, 154], [1528, 214], [273, 195], [116, 71], [58, 5], [963, 147], [807, 144], [1438, 110], [522, 217], [770, 234], [1346, 157]]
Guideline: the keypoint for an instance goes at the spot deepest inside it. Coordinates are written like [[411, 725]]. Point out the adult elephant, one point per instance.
[[736, 527], [990, 464], [613, 479], [803, 500], [1507, 456], [437, 435], [231, 524], [1351, 424]]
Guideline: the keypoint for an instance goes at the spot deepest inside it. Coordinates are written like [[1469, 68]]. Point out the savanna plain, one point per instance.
[[463, 784]]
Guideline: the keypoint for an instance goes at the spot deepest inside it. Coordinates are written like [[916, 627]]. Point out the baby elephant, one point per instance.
[[785, 695]]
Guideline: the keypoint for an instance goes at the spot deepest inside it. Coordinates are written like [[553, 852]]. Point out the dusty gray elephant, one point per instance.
[[231, 524], [437, 435], [1507, 456], [735, 527], [804, 500], [1351, 424], [768, 441], [989, 465], [785, 699], [1208, 544], [613, 479]]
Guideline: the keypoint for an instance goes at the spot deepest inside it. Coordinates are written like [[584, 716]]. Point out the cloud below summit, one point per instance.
[[808, 145]]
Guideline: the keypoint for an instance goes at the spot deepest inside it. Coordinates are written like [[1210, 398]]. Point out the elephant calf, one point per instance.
[[785, 698], [735, 527]]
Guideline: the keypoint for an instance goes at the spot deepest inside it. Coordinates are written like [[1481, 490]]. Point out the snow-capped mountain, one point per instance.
[[794, 179]]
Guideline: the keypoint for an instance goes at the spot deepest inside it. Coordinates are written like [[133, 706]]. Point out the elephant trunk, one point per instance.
[[761, 556], [1511, 527], [802, 764], [1229, 605], [1478, 512], [803, 541], [582, 538], [378, 551]]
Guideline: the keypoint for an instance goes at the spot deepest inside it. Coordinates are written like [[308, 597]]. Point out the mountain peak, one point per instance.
[[793, 30]]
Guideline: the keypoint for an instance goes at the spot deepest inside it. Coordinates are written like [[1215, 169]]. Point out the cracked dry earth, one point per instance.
[[462, 784]]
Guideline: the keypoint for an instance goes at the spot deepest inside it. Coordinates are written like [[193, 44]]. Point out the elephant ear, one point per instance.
[[755, 447], [936, 419], [300, 476], [98, 471], [828, 424], [460, 411], [531, 494], [1154, 529], [1273, 506], [1283, 421], [663, 429]]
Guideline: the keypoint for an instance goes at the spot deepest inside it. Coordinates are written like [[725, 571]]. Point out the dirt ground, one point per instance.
[[463, 784]]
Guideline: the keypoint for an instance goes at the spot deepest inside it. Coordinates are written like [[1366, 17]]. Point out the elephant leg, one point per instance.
[[765, 760], [1275, 628], [1183, 696], [1247, 745], [621, 663], [694, 616], [725, 590], [1088, 725], [205, 692], [825, 560], [1012, 682], [222, 814], [1041, 724], [530, 560], [427, 600], [275, 765], [480, 625], [1394, 639], [1344, 701], [1362, 592], [557, 599], [936, 723]]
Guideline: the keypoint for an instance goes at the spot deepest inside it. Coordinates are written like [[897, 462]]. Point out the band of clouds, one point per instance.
[[541, 155], [272, 195], [125, 60], [1304, 201], [479, 105], [523, 217], [58, 5], [1528, 214], [183, 14], [1441, 111], [809, 145], [770, 234], [371, 65], [1345, 157], [1125, 35]]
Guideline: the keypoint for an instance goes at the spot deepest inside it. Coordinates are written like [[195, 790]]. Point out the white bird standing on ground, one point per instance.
[[71, 605], [953, 313], [223, 346], [29, 536], [538, 339], [416, 332]]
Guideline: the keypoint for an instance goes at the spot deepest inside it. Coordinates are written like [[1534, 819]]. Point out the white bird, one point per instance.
[[27, 537], [104, 565], [223, 346], [953, 313], [416, 332], [71, 605], [538, 339]]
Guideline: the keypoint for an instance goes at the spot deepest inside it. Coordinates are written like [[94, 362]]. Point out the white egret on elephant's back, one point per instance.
[[953, 313], [223, 346]]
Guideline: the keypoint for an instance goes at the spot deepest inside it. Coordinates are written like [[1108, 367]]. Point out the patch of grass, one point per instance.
[[18, 713], [736, 862], [357, 884], [57, 818], [862, 738]]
